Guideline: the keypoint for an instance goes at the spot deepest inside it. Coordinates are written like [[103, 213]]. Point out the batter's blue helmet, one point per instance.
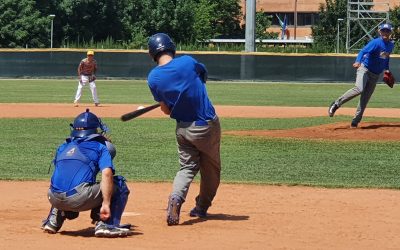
[[386, 26], [86, 124], [160, 42]]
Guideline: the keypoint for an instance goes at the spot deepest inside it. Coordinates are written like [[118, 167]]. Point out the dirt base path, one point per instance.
[[242, 217], [51, 110]]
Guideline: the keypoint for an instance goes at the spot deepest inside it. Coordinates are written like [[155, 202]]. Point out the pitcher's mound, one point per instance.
[[366, 131]]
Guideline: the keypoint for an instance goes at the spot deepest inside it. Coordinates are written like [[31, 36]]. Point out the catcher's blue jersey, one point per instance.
[[77, 162], [179, 85]]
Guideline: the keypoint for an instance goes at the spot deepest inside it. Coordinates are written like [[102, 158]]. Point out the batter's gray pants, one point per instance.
[[365, 85], [199, 150]]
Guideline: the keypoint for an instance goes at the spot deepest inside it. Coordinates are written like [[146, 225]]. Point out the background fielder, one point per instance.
[[86, 72]]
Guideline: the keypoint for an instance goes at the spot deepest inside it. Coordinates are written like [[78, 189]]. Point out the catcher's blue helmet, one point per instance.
[[386, 26], [86, 124], [160, 42]]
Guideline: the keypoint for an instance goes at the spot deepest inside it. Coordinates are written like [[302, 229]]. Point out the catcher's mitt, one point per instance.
[[388, 78]]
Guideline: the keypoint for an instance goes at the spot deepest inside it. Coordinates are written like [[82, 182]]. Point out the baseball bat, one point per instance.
[[139, 112]]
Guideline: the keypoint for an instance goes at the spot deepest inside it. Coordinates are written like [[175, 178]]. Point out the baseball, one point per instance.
[[140, 107]]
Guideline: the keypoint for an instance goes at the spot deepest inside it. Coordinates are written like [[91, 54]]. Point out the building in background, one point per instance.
[[307, 15]]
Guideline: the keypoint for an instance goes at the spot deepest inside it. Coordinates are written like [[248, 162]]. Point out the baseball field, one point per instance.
[[292, 177]]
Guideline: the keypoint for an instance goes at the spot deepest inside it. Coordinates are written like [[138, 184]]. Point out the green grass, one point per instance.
[[146, 151], [221, 93], [146, 148]]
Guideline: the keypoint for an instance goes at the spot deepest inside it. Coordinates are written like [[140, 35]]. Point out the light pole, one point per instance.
[[51, 35], [295, 19], [338, 31]]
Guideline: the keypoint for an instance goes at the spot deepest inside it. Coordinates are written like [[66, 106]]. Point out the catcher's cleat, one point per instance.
[[173, 210], [198, 212], [109, 231], [54, 221], [49, 228], [353, 125], [332, 109]]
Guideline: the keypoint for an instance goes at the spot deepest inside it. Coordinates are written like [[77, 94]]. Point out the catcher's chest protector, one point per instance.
[[71, 162], [72, 152]]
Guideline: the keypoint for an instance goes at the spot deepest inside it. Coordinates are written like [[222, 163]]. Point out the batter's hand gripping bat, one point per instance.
[[139, 112]]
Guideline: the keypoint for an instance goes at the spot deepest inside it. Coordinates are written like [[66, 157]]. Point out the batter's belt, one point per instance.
[[197, 123]]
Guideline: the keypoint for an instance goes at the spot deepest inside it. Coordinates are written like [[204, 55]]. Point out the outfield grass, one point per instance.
[[221, 93], [146, 148], [146, 151]]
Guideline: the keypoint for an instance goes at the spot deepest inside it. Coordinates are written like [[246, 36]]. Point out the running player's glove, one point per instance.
[[388, 78]]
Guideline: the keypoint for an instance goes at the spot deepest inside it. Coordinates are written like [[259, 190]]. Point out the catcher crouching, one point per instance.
[[73, 186]]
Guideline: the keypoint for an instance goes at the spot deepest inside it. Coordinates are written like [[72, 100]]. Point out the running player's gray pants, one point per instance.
[[365, 85], [199, 150]]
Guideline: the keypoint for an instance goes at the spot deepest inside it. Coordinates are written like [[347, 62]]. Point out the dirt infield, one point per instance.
[[242, 217]]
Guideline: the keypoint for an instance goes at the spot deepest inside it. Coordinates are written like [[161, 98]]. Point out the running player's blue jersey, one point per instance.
[[179, 85], [375, 55]]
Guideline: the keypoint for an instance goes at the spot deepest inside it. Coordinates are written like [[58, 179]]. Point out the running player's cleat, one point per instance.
[[332, 109]]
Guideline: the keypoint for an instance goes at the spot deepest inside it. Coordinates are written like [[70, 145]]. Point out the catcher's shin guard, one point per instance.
[[118, 201]]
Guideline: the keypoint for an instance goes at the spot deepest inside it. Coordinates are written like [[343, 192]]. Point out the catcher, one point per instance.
[[372, 60], [73, 186], [86, 72]]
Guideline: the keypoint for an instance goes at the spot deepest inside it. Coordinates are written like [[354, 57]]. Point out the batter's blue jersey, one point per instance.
[[375, 55], [79, 161], [179, 86]]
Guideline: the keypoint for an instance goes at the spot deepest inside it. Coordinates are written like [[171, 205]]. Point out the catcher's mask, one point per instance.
[[86, 124], [159, 43]]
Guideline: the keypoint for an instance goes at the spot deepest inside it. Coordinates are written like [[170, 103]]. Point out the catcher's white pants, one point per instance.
[[82, 82]]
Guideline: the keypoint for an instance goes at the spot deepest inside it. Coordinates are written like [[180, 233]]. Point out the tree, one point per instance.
[[325, 31], [227, 17], [263, 22], [94, 20], [22, 25], [203, 20], [395, 21]]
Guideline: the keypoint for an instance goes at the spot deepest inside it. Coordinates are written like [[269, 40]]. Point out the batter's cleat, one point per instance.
[[332, 109], [173, 210], [76, 104], [198, 212], [353, 125], [97, 104], [109, 231]]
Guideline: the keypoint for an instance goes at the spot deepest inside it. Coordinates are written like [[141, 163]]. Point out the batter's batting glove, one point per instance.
[[388, 78]]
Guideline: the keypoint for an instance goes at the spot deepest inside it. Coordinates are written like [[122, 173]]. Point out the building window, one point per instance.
[[303, 19]]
